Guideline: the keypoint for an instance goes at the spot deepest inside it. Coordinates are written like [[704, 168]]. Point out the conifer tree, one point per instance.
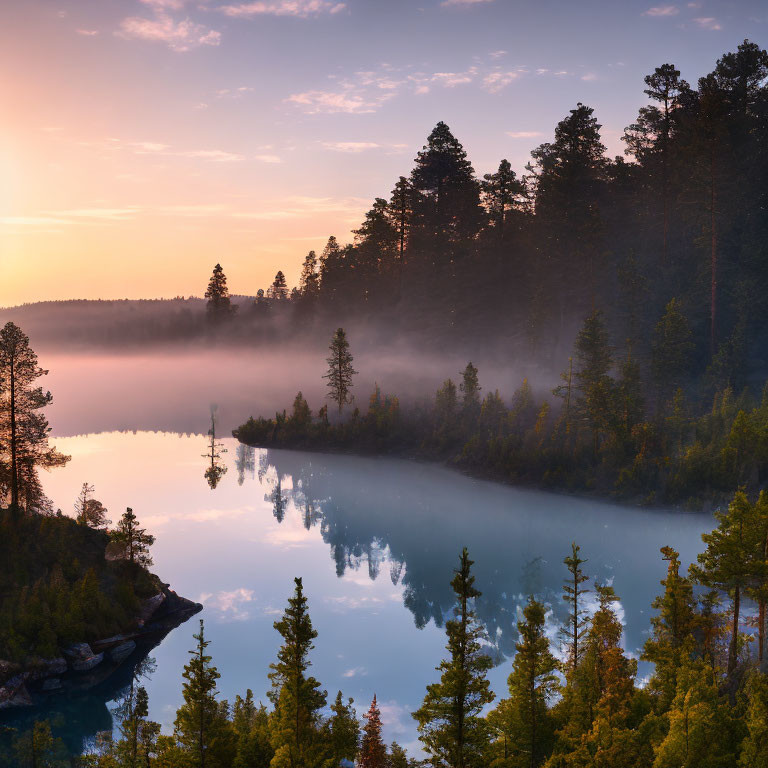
[[727, 561], [754, 749], [671, 350], [24, 429], [89, 511], [573, 595], [400, 210], [279, 289], [219, 305], [340, 370], [132, 542], [373, 753], [671, 641], [296, 696], [470, 388], [449, 722], [501, 191], [593, 357], [309, 282], [344, 732], [201, 730], [524, 719]]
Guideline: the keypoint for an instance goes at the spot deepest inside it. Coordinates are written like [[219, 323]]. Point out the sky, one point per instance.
[[143, 141]]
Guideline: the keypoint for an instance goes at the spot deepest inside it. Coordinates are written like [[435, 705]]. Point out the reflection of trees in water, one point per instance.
[[419, 556], [79, 715], [245, 462], [216, 469]]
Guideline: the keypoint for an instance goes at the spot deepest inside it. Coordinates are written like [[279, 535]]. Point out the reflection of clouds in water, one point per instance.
[[230, 605], [355, 672], [346, 603]]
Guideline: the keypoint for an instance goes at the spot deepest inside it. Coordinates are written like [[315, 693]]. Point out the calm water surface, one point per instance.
[[375, 541]]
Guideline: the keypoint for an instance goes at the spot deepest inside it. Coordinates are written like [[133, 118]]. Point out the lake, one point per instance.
[[375, 541]]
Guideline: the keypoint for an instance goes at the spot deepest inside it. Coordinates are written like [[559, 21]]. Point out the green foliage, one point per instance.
[[449, 724]]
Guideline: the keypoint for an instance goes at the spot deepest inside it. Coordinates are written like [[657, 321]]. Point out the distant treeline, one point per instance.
[[596, 433]]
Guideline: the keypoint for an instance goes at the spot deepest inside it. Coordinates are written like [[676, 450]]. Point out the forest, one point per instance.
[[513, 261]]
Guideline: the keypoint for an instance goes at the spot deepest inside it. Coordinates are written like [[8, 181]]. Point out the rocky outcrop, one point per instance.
[[86, 664]]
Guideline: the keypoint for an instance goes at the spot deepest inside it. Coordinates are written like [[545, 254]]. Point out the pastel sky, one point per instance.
[[142, 141]]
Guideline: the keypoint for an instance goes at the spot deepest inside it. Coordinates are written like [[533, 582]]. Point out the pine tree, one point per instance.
[[219, 305], [344, 732], [201, 730], [400, 210], [671, 643], [671, 350], [309, 282], [470, 388], [279, 289], [446, 199], [297, 697], [373, 753], [754, 750], [131, 542], [524, 719], [24, 429], [501, 193], [573, 595], [340, 370], [89, 511], [594, 385], [449, 724], [727, 561]]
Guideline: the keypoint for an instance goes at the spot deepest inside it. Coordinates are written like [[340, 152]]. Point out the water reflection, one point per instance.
[[518, 538], [216, 469]]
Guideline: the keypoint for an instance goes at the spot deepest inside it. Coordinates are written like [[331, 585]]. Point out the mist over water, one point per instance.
[[172, 389]]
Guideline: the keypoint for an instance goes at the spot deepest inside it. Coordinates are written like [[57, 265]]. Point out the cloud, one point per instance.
[[451, 79], [88, 32], [230, 604], [497, 54], [662, 10], [708, 23], [496, 81], [214, 155], [148, 147], [96, 214], [179, 36], [346, 101], [589, 77], [355, 672], [300, 8], [272, 159], [350, 146], [464, 2], [524, 134]]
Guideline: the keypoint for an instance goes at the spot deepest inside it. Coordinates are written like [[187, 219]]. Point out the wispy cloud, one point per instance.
[[524, 134], [662, 10], [300, 8], [708, 22], [496, 81], [271, 159], [347, 100], [355, 672], [88, 32], [179, 36], [350, 146]]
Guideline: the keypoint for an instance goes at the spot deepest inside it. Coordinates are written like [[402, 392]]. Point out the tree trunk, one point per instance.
[[14, 446], [732, 650]]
